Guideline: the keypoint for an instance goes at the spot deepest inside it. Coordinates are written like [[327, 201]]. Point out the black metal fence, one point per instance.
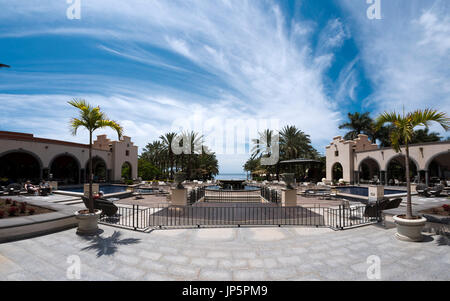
[[196, 195], [270, 195], [238, 214], [232, 196], [344, 217]]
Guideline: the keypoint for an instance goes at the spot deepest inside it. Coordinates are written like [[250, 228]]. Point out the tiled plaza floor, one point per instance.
[[226, 254]]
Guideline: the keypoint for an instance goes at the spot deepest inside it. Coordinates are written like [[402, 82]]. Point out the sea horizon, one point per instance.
[[231, 176]]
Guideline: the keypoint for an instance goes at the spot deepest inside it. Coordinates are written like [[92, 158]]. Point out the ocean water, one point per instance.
[[231, 176]]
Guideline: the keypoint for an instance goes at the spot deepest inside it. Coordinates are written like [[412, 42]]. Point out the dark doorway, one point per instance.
[[65, 169], [18, 167]]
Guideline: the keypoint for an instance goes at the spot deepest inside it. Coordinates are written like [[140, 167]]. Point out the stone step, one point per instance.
[[65, 200], [73, 202]]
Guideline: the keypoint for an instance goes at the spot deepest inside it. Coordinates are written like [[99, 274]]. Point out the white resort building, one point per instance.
[[25, 157], [360, 161]]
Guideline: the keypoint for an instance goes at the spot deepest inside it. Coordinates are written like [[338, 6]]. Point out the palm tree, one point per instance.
[[424, 136], [195, 140], [262, 144], [167, 140], [91, 118], [358, 124], [403, 132], [291, 142]]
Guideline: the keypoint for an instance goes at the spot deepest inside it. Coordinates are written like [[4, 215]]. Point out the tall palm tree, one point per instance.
[[91, 118], [403, 131], [358, 124], [262, 144], [195, 140], [167, 139], [290, 142]]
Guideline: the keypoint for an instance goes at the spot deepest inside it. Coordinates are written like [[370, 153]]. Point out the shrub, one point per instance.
[[12, 210], [446, 207], [2, 213], [8, 201], [23, 207], [31, 211], [14, 203]]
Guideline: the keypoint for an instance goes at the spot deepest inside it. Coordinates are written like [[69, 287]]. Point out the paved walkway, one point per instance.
[[226, 254]]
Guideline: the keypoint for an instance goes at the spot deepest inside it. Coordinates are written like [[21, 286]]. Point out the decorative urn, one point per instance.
[[289, 179], [179, 178]]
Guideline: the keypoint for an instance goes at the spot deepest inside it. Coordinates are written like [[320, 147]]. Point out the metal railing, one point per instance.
[[129, 216], [270, 195], [344, 217], [239, 214], [232, 196], [196, 195]]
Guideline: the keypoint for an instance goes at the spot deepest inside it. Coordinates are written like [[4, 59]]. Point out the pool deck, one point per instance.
[[288, 253], [264, 253]]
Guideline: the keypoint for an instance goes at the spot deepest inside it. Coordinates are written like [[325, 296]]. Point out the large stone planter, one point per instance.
[[289, 197], [87, 222], [409, 229], [179, 197]]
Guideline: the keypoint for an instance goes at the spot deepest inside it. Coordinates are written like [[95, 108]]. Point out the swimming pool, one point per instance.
[[364, 191], [107, 189]]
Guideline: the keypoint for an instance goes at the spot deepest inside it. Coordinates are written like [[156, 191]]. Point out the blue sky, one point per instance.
[[148, 63]]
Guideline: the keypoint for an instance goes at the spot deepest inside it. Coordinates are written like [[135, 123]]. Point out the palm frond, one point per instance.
[[424, 117], [104, 123], [75, 124]]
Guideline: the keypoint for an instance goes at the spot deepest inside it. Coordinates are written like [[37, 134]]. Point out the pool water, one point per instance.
[[107, 189], [364, 191]]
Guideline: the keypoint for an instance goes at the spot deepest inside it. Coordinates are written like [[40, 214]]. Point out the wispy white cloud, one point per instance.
[[405, 54], [251, 66], [347, 82]]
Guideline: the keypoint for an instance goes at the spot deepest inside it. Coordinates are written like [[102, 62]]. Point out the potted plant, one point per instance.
[[91, 118], [409, 227]]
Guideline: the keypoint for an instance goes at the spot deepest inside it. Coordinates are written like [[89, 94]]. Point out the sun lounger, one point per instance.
[[374, 209], [108, 208], [13, 189], [436, 190], [392, 204], [423, 190]]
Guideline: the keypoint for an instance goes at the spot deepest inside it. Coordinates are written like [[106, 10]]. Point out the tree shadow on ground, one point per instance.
[[108, 245]]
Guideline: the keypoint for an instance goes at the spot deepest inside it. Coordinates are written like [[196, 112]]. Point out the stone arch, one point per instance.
[[337, 174], [401, 162], [65, 172], [401, 155], [33, 172], [100, 169], [437, 170], [371, 172], [369, 158], [127, 170], [427, 164]]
